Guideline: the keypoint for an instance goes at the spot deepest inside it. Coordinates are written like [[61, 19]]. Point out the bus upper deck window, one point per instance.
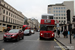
[[44, 17], [50, 17]]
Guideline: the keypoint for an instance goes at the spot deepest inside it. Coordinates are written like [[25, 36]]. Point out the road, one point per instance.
[[31, 42]]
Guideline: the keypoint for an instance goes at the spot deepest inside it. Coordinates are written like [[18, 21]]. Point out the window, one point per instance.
[[7, 6], [59, 7], [54, 11], [3, 24], [13, 16], [9, 14], [54, 7], [3, 11], [59, 20], [59, 17], [6, 19], [64, 7], [59, 14], [62, 20], [64, 14], [44, 17], [4, 4], [56, 14], [50, 17], [13, 20], [9, 19], [49, 9], [56, 17], [0, 23], [64, 17], [59, 11], [64, 11], [3, 17], [49, 12], [6, 12]]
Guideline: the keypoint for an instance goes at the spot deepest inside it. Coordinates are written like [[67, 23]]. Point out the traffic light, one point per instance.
[[70, 29]]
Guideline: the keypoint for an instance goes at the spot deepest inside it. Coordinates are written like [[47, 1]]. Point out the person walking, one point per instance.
[[58, 32], [54, 32], [65, 33], [73, 32]]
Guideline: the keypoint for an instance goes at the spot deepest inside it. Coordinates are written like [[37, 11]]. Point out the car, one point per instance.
[[27, 32], [13, 34], [32, 31]]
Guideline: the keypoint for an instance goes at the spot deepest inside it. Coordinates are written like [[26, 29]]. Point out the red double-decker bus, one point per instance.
[[47, 27], [24, 27]]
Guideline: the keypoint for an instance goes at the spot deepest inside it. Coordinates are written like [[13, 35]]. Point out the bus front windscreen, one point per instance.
[[46, 28]]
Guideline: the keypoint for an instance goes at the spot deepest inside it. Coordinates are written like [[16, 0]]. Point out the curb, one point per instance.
[[62, 44]]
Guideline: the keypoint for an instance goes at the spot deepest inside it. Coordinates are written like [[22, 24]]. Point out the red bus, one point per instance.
[[24, 27], [47, 25]]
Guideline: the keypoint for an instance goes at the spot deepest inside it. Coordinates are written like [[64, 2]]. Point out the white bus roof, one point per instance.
[[48, 14]]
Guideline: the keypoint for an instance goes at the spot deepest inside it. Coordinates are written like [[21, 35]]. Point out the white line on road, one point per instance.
[[59, 45]]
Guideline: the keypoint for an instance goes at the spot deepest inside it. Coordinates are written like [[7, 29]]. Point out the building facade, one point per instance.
[[33, 23], [10, 17], [63, 12]]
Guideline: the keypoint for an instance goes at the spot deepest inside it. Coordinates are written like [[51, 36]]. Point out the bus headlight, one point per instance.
[[41, 34], [52, 34]]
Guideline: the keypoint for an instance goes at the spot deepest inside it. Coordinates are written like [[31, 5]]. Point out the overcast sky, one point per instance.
[[33, 8]]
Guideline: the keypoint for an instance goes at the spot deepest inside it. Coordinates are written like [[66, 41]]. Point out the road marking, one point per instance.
[[59, 45]]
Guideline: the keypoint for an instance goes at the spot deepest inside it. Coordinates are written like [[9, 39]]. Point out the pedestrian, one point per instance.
[[58, 32], [65, 33], [55, 32], [73, 32]]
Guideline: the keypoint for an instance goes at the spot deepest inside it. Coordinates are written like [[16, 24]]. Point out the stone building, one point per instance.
[[10, 17], [33, 23], [63, 12]]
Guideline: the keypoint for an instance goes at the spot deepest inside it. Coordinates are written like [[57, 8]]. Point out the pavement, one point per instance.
[[1, 35], [65, 42]]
